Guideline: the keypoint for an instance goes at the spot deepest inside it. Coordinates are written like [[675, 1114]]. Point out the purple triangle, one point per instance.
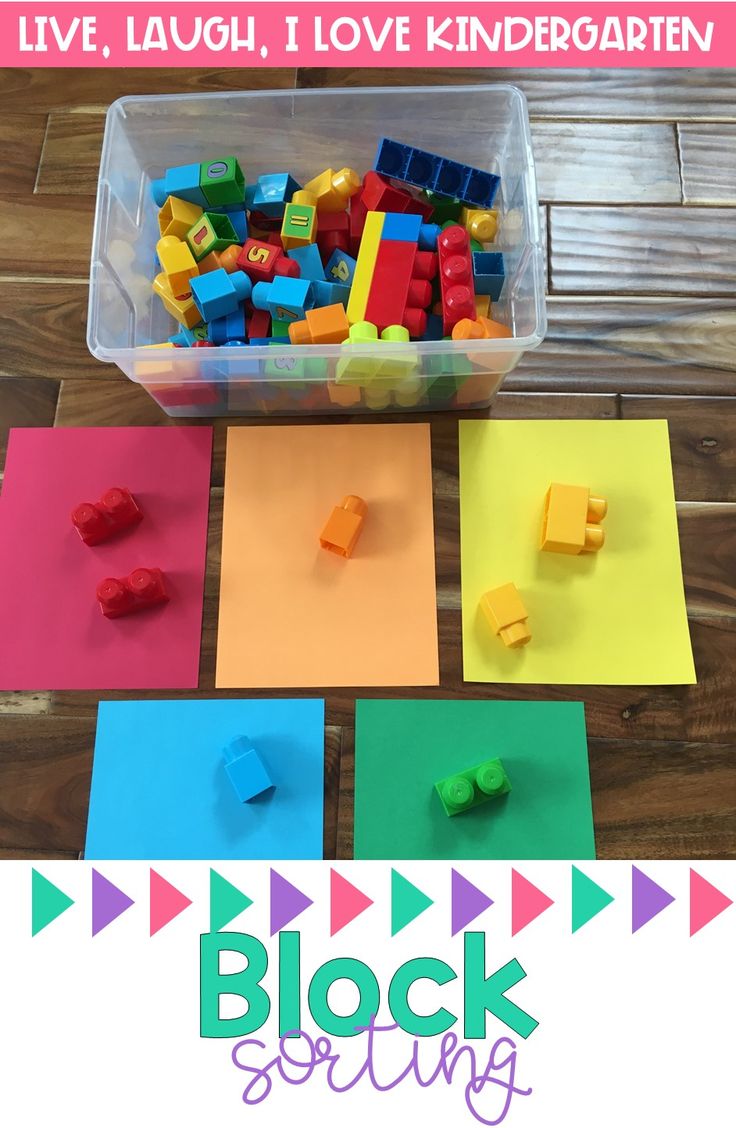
[[647, 899], [108, 902], [287, 902], [468, 902]]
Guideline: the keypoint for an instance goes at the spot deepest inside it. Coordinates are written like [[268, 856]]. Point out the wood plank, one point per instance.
[[21, 141], [42, 327], [27, 89], [703, 441], [25, 403], [689, 251], [647, 345], [333, 753], [32, 703], [639, 94], [57, 235], [602, 162], [71, 155], [708, 158], [8, 855]]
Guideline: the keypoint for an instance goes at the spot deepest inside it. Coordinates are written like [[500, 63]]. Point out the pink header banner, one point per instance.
[[386, 34]]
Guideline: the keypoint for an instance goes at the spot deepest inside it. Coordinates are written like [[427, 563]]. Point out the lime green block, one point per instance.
[[588, 899], [403, 747], [47, 902], [222, 181], [226, 901], [407, 902], [299, 225], [468, 789]]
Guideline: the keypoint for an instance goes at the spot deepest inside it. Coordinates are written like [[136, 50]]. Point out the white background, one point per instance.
[[633, 1030]]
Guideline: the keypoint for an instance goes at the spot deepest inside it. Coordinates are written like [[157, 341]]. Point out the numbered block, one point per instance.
[[286, 299], [299, 227], [258, 260], [340, 268], [211, 232], [310, 262], [222, 181]]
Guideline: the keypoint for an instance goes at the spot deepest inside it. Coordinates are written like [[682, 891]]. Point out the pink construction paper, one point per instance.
[[52, 632]]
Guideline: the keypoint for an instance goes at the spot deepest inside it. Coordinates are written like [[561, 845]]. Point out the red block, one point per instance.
[[192, 393], [115, 510], [333, 233], [143, 588], [379, 195], [259, 324], [417, 206], [288, 267], [265, 222], [356, 217], [456, 276], [397, 296], [258, 260]]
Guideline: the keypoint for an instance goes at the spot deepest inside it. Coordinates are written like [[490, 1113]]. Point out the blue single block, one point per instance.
[[218, 293], [246, 770], [489, 273], [436, 174], [183, 182], [330, 293], [429, 233], [286, 299], [273, 192], [340, 268], [230, 328], [401, 227], [186, 337], [434, 330], [310, 262], [239, 221]]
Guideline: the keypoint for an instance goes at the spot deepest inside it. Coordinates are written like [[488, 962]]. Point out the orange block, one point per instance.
[[481, 330], [340, 534], [327, 325], [571, 520], [507, 615]]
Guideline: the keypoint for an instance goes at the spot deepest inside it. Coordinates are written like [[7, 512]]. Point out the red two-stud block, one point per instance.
[[116, 510], [456, 276], [143, 588]]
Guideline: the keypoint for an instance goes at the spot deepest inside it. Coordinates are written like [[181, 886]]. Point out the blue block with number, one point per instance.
[[340, 268], [286, 299], [310, 262]]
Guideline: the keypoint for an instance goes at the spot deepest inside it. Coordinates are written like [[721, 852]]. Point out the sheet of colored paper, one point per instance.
[[54, 634], [294, 614], [402, 748], [615, 617], [160, 789]]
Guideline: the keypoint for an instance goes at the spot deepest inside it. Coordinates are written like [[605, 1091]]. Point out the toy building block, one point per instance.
[[334, 189], [222, 181], [272, 193], [343, 395], [571, 522], [177, 216], [310, 262], [183, 308], [217, 260], [429, 233], [245, 770], [444, 208], [188, 338], [480, 223], [211, 232], [116, 510], [286, 299], [142, 589], [259, 323], [218, 293], [239, 221], [330, 293], [299, 227], [482, 305], [479, 329], [473, 787], [333, 233], [325, 326], [506, 615], [436, 174], [380, 195], [280, 329], [231, 327], [177, 263], [488, 273], [182, 182], [356, 219], [340, 534], [258, 260], [340, 268], [391, 280], [287, 268], [456, 276], [359, 370]]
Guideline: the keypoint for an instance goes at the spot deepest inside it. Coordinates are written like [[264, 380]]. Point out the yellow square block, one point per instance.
[[182, 308], [569, 522], [177, 216], [506, 614]]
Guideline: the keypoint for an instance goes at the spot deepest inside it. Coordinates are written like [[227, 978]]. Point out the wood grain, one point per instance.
[[45, 321], [708, 157], [26, 403], [688, 251], [21, 140], [70, 163], [57, 236]]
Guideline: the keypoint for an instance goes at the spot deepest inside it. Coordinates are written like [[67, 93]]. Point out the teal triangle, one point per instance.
[[588, 899], [47, 902], [407, 902], [226, 901]]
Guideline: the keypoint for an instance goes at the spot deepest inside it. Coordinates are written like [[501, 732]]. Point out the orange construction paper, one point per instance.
[[293, 614]]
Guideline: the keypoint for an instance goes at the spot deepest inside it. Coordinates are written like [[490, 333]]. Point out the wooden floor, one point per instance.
[[637, 178]]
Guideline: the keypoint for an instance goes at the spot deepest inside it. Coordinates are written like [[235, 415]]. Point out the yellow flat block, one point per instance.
[[365, 266], [570, 523]]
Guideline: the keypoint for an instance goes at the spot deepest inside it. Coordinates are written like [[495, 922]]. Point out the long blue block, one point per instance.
[[436, 174], [488, 273]]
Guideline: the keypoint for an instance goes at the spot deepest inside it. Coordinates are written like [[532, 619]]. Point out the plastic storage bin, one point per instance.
[[303, 132]]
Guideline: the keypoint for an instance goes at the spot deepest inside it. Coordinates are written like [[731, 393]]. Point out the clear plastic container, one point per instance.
[[303, 132]]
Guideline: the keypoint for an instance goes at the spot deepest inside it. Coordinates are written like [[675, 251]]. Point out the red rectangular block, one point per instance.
[[397, 296], [258, 259]]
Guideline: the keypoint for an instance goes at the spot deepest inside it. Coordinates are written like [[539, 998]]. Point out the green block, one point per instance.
[[222, 181], [473, 787], [445, 209], [299, 225], [298, 370], [280, 328], [211, 232]]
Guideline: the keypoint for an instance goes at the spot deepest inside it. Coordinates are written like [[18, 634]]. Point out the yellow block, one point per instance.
[[365, 266], [506, 615], [571, 520]]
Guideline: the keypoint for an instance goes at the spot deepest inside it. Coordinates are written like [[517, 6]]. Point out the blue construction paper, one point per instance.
[[160, 789]]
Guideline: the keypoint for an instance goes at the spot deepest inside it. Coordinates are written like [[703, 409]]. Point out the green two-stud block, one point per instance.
[[468, 789]]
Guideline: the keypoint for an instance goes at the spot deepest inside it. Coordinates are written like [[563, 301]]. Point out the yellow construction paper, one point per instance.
[[293, 614], [615, 617]]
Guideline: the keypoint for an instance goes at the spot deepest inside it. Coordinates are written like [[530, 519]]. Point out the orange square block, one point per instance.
[[340, 534], [507, 615], [571, 520]]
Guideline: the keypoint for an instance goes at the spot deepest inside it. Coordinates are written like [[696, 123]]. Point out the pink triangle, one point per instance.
[[706, 902], [166, 902], [527, 902], [346, 902]]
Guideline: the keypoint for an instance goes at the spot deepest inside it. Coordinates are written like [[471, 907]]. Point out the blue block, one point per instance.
[[183, 182], [488, 271], [400, 227], [273, 192], [186, 337], [286, 299], [330, 293], [218, 293], [436, 174], [228, 328], [250, 191], [246, 771], [310, 262], [434, 330], [340, 268], [429, 233], [239, 221]]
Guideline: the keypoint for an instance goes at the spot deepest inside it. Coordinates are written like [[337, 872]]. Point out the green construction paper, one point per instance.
[[403, 747]]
